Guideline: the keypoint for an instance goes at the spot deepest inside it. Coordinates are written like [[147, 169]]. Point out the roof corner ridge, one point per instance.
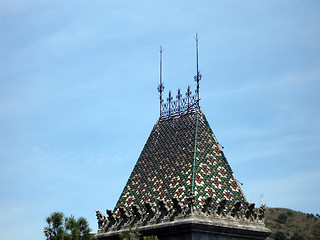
[[193, 177]]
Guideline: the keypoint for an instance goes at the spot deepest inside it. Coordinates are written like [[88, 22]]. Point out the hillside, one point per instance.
[[292, 225]]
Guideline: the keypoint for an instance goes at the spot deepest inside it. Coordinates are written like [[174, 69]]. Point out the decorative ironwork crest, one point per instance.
[[180, 105]]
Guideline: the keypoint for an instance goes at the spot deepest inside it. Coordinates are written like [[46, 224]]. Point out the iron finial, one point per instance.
[[188, 93], [181, 103], [169, 99], [198, 76], [179, 95], [161, 86]]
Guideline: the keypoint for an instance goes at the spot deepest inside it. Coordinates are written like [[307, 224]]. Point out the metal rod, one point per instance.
[[160, 78], [161, 86], [160, 64], [197, 78], [197, 53]]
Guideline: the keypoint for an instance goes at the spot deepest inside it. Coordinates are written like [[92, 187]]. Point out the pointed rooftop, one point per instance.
[[182, 186], [181, 156]]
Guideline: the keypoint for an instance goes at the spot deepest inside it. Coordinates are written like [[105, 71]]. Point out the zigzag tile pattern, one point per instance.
[[168, 166]]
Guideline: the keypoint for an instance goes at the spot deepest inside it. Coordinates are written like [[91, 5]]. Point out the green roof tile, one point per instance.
[[181, 156]]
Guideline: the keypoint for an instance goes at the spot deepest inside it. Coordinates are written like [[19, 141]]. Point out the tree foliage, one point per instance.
[[279, 236], [67, 228], [136, 235], [282, 218], [296, 236]]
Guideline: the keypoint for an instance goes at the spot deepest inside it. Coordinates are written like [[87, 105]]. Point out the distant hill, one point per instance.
[[287, 224]]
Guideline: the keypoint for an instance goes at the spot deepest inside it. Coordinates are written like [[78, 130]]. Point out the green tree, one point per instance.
[[130, 235], [150, 238], [296, 236], [135, 236], [55, 229], [279, 236], [67, 228], [282, 218], [289, 212]]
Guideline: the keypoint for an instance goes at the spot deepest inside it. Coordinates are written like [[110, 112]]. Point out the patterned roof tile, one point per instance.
[[169, 166]]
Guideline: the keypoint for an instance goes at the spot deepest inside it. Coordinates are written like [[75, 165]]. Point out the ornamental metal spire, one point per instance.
[[188, 95], [169, 99], [197, 77], [161, 86], [180, 105], [178, 97]]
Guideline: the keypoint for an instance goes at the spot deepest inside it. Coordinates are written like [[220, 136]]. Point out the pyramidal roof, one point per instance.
[[181, 157], [182, 183]]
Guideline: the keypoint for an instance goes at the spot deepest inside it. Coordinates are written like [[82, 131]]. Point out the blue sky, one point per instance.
[[78, 98]]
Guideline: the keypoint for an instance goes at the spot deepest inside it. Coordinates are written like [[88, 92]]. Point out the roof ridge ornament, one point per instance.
[[197, 77], [161, 86], [180, 105]]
